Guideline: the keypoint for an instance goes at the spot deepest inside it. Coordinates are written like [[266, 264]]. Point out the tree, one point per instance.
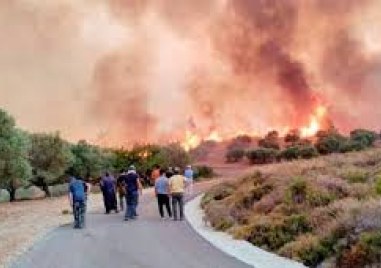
[[234, 155], [90, 160], [50, 156], [293, 136], [271, 141], [363, 136], [14, 144]]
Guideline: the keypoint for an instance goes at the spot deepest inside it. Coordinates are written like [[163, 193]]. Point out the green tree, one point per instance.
[[14, 144], [364, 137], [50, 156], [90, 160]]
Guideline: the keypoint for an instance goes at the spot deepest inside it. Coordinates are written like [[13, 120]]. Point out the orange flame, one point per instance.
[[315, 122]]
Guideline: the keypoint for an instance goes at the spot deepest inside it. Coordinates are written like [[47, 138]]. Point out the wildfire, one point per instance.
[[191, 141], [316, 122]]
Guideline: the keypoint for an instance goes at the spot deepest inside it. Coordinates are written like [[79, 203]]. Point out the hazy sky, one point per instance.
[[115, 71]]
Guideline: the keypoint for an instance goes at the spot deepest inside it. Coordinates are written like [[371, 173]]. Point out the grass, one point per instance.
[[322, 211]]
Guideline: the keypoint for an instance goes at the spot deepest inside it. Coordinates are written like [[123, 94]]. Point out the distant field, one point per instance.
[[324, 210]]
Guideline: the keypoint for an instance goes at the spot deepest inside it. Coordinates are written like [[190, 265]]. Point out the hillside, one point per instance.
[[325, 210]]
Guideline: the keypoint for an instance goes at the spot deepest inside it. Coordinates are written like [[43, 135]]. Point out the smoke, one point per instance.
[[122, 71]]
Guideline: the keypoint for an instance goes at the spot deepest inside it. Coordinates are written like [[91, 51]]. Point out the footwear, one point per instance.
[[125, 219]]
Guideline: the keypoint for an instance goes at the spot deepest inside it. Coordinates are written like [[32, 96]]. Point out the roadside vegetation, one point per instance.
[[35, 165], [320, 211]]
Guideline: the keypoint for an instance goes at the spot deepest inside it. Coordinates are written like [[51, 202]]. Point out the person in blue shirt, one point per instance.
[[189, 174], [77, 199], [162, 194]]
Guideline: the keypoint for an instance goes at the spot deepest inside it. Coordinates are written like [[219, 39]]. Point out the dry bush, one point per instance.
[[219, 216]]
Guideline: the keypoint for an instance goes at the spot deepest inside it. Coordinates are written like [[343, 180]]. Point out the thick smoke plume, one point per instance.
[[123, 71]]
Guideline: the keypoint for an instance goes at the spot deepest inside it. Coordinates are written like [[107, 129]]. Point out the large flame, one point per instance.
[[316, 122]]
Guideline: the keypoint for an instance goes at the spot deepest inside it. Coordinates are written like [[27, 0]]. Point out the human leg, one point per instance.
[[160, 204], [174, 206], [181, 205], [167, 205]]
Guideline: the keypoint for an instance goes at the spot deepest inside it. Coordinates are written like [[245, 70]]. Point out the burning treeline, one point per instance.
[[197, 69]]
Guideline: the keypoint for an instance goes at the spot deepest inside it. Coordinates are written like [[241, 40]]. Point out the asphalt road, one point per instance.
[[108, 241]]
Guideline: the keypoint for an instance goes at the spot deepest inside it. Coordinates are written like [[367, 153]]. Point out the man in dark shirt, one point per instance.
[[133, 187]]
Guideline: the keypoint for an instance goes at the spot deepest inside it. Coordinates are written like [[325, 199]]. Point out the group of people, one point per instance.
[[169, 184]]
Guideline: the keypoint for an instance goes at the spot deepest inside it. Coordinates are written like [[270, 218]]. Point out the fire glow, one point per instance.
[[318, 121]]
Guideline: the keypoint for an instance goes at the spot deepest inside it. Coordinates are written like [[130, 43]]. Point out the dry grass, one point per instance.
[[22, 223], [313, 210]]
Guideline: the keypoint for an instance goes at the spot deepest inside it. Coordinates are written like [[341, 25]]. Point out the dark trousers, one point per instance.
[[132, 202], [79, 208], [163, 200], [178, 201], [121, 201]]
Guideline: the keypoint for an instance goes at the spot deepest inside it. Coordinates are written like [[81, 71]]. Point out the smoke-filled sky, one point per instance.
[[122, 71]]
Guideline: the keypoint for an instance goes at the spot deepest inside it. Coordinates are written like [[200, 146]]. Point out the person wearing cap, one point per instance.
[[188, 173], [133, 188], [177, 184]]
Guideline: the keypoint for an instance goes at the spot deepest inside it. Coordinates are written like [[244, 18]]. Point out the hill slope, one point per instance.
[[321, 210]]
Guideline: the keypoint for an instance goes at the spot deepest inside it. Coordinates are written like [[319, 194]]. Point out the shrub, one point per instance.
[[235, 155], [363, 136], [249, 196], [351, 146], [292, 137], [271, 144], [203, 172], [262, 156], [330, 143], [218, 192], [308, 152], [297, 191], [240, 142], [355, 175], [378, 184], [307, 248], [290, 153], [271, 141], [218, 216], [366, 251], [276, 233]]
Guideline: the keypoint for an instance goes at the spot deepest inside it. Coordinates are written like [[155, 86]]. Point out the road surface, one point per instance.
[[108, 241]]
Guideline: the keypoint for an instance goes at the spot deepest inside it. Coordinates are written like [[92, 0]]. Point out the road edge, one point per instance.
[[239, 249]]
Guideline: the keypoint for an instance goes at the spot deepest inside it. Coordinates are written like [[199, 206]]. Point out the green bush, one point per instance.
[[297, 191], [262, 156], [308, 152], [351, 146], [330, 143], [291, 153], [235, 155], [363, 136], [273, 235], [270, 141], [355, 175], [205, 172]]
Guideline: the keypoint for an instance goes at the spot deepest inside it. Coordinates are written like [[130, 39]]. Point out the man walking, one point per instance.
[[133, 187], [188, 173], [162, 194], [120, 184], [177, 185], [77, 199], [108, 187]]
